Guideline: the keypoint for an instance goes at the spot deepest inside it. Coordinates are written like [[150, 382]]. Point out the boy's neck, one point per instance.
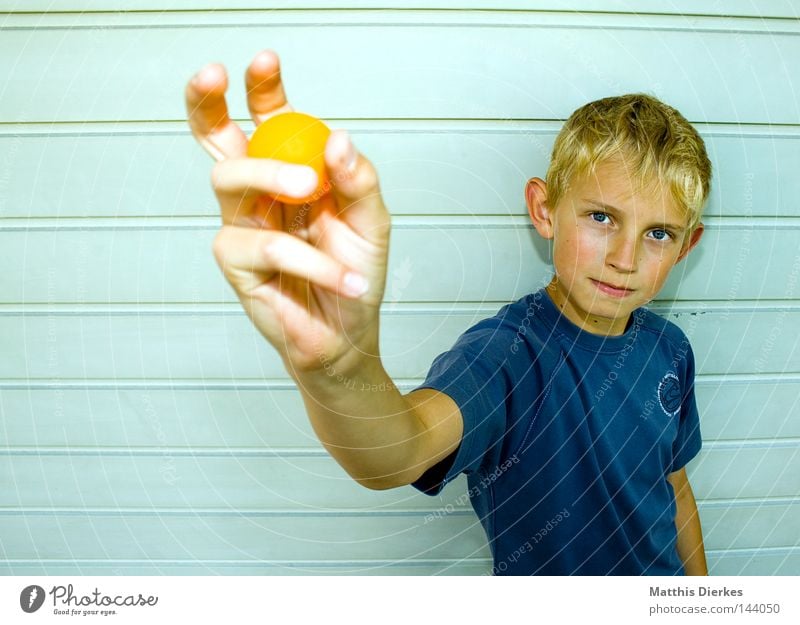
[[586, 321]]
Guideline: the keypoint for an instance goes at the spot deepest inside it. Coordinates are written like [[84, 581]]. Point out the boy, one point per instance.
[[572, 410]]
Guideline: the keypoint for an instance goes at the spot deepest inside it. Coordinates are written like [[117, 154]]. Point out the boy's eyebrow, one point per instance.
[[614, 209]]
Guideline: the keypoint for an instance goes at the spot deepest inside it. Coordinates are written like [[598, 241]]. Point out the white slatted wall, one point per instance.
[[145, 425]]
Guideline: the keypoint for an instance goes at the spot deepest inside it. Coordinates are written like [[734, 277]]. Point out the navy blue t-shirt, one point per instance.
[[569, 437]]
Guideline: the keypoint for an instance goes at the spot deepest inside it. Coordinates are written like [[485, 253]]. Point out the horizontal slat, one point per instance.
[[764, 524], [422, 17], [472, 71], [155, 418], [228, 347], [425, 168], [751, 525], [749, 562], [775, 8], [506, 259], [755, 562], [313, 484], [277, 420], [305, 485], [250, 537], [480, 566], [289, 540], [733, 409], [770, 470]]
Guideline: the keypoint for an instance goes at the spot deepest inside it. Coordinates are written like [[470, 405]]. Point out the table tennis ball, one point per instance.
[[295, 138]]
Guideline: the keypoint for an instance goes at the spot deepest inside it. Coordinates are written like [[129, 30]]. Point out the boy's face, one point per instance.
[[609, 260]]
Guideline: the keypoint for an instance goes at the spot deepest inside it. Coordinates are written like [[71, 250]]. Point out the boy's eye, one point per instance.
[[600, 217], [661, 235]]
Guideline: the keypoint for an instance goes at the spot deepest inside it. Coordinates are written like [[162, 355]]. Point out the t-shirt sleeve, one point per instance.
[[473, 375], [688, 441]]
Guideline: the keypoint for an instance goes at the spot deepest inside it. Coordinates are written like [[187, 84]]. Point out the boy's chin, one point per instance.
[[613, 311], [596, 303]]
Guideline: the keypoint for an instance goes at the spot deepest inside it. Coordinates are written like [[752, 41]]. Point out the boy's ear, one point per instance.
[[692, 240], [538, 209]]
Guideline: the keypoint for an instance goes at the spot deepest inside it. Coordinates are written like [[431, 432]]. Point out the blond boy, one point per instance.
[[571, 411]]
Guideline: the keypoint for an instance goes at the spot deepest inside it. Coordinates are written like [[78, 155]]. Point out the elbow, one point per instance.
[[376, 484], [384, 482]]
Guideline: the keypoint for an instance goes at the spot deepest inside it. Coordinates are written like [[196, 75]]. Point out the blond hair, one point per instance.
[[654, 141]]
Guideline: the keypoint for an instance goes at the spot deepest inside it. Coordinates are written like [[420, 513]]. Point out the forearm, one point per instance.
[[690, 534], [364, 422]]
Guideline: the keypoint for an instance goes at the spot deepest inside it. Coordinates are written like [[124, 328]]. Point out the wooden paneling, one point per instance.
[[234, 480], [472, 259], [73, 567], [270, 415], [312, 539], [775, 8], [740, 562], [426, 168], [218, 346], [755, 562], [495, 65], [147, 428]]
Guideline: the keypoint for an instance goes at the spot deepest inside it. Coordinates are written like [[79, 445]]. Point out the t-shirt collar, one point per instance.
[[575, 335]]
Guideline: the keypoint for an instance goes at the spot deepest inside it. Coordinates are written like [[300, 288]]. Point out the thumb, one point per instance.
[[355, 189]]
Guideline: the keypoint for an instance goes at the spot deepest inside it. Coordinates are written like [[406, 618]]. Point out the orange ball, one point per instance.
[[295, 138]]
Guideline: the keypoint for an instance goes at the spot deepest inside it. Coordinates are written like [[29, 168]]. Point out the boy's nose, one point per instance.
[[622, 253]]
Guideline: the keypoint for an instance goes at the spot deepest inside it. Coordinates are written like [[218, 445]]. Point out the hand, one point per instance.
[[288, 263]]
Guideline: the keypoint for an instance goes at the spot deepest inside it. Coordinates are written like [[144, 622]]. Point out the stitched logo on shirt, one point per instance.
[[669, 394]]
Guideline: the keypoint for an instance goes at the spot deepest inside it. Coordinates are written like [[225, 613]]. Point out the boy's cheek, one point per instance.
[[588, 252], [573, 257], [663, 263]]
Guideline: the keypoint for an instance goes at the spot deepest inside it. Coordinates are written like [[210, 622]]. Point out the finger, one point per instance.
[[355, 188], [208, 114], [267, 252], [240, 182], [265, 94]]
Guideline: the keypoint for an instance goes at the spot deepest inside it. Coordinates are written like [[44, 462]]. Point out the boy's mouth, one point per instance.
[[610, 289]]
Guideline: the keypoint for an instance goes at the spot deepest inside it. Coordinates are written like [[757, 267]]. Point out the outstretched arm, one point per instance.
[[687, 521], [289, 266]]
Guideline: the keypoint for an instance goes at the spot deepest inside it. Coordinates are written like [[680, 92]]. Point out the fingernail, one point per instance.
[[262, 57], [351, 156], [297, 180], [203, 74], [355, 284]]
